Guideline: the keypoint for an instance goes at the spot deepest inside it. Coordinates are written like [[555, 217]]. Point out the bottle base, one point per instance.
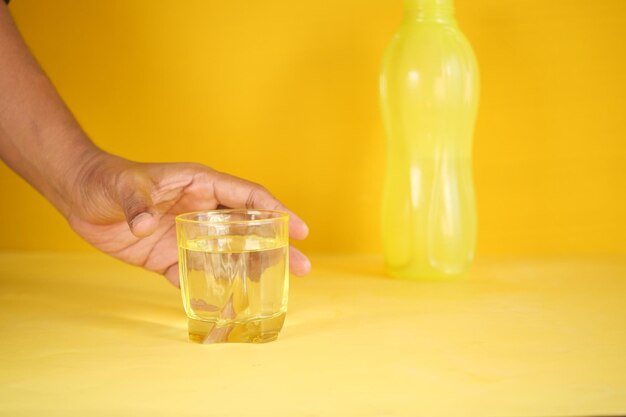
[[254, 331], [425, 274]]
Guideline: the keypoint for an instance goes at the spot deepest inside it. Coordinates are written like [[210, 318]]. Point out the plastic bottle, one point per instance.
[[429, 98]]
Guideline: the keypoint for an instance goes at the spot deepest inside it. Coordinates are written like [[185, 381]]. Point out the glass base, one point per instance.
[[253, 331]]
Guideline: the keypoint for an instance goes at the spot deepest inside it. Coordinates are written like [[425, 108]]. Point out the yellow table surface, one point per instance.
[[85, 335]]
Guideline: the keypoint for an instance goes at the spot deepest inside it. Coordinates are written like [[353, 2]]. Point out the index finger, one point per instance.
[[236, 192]]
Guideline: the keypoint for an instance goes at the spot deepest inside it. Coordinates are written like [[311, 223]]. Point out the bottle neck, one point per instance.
[[441, 11]]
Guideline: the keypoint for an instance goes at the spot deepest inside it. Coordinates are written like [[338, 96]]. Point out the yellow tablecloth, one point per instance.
[[85, 335]]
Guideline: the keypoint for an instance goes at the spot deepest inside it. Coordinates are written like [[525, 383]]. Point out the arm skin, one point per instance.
[[123, 208]]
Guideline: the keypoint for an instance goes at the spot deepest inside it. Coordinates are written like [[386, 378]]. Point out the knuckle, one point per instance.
[[134, 206], [203, 176], [252, 197]]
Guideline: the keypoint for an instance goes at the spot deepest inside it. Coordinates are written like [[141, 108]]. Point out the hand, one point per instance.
[[123, 208], [127, 209]]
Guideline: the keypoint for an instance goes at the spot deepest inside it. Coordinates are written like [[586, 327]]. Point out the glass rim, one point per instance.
[[186, 217]]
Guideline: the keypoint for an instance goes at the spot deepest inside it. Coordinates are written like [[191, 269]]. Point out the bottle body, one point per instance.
[[429, 98]]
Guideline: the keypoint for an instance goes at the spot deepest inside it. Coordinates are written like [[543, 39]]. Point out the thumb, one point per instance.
[[141, 215]]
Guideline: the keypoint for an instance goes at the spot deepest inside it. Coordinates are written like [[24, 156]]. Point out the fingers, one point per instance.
[[172, 275], [235, 192], [299, 264]]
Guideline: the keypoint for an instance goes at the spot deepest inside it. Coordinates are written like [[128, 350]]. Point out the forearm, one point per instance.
[[39, 137]]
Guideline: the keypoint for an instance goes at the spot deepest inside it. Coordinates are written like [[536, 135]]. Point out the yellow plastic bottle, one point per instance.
[[429, 98]]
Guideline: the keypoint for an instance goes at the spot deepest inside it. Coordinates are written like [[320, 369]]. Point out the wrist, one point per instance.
[[78, 168], [90, 188]]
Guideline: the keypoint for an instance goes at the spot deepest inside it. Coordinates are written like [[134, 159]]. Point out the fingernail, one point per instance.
[[140, 216]]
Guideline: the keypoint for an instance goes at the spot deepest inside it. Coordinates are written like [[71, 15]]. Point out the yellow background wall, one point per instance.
[[285, 93]]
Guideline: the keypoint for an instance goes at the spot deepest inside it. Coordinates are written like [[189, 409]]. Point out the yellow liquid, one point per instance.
[[429, 98], [234, 288]]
